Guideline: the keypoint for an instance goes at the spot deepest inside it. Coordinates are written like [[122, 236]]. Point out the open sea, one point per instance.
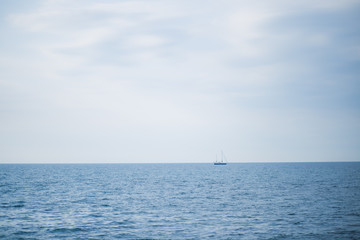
[[180, 201]]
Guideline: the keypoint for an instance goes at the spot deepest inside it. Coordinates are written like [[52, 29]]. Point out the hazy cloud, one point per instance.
[[145, 81]]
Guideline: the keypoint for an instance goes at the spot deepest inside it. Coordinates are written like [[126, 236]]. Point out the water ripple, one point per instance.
[[180, 201]]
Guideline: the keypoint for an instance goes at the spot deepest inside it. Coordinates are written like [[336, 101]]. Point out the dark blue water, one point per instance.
[[180, 201]]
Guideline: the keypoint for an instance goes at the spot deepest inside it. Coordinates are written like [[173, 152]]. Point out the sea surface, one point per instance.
[[180, 201]]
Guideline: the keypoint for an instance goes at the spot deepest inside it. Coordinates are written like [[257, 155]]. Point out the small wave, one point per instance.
[[125, 236], [22, 232], [96, 215], [67, 230], [83, 200], [14, 205], [354, 214], [281, 236], [124, 222], [18, 206]]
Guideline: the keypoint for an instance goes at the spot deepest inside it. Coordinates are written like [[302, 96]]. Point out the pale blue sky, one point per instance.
[[177, 81]]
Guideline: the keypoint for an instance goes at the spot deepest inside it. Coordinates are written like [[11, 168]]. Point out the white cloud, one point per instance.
[[180, 73], [246, 31], [144, 41]]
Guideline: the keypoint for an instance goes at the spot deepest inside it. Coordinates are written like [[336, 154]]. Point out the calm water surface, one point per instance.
[[180, 201]]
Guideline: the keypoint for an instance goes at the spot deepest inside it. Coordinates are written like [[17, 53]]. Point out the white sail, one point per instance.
[[222, 159]]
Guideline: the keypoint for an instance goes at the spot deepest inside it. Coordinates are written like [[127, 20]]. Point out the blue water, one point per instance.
[[180, 201]]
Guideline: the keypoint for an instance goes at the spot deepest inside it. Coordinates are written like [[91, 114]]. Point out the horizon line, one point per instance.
[[97, 163]]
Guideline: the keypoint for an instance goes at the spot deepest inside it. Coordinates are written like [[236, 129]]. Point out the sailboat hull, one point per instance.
[[219, 163]]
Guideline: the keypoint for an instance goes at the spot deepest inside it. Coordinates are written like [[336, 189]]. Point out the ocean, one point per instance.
[[180, 201]]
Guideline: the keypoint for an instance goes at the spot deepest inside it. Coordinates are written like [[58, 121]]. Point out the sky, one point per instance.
[[179, 81]]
